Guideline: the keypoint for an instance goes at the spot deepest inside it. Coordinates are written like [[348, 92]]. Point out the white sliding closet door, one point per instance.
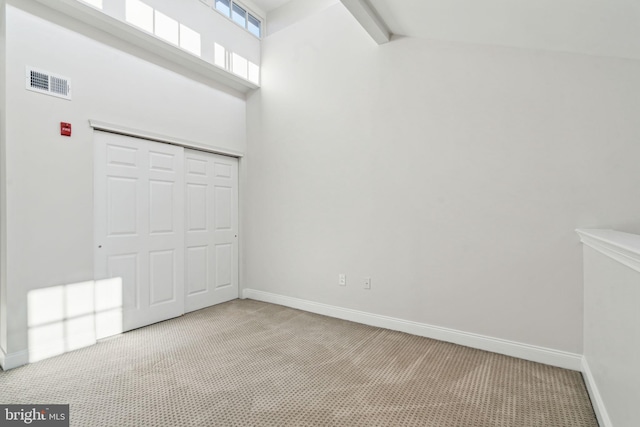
[[139, 225], [212, 229]]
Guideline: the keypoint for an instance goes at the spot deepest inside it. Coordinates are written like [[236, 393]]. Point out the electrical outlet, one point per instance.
[[367, 282], [342, 279]]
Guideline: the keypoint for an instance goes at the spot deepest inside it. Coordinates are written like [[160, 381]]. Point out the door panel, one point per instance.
[[224, 271], [212, 229], [123, 156], [223, 204], [161, 161], [196, 207], [160, 216], [122, 196], [196, 166], [197, 269], [162, 276], [139, 230]]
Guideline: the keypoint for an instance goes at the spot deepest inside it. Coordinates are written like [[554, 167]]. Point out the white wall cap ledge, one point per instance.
[[620, 246], [148, 42]]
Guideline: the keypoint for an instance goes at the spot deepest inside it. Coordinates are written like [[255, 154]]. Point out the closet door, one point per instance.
[[139, 225], [211, 229]]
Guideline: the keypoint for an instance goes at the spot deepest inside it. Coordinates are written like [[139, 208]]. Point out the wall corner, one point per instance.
[[3, 169]]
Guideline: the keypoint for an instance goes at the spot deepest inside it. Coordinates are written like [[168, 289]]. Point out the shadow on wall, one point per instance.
[[68, 317]]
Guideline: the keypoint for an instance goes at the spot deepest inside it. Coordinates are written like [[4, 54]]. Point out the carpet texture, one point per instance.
[[247, 363]]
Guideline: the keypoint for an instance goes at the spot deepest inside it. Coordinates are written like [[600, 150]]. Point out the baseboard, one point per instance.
[[594, 394], [13, 360], [496, 345]]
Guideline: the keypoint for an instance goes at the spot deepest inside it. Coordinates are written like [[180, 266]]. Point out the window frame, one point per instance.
[[248, 13], [214, 5], [250, 16]]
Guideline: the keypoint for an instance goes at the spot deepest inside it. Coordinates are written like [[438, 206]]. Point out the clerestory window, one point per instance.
[[239, 14]]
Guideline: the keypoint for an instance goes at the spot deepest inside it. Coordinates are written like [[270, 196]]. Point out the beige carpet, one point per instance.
[[247, 363]]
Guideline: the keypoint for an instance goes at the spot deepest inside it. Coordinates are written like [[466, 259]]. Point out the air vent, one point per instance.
[[47, 83]]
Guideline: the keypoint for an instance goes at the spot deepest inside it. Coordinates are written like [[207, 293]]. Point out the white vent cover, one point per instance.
[[48, 83]]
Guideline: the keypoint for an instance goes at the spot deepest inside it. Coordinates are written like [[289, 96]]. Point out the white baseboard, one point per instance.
[[13, 360], [594, 394], [533, 353]]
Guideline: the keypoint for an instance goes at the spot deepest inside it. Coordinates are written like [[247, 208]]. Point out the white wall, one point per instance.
[[612, 331], [294, 11], [452, 174], [50, 177]]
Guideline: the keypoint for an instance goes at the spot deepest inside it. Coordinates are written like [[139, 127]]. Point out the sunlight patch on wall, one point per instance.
[[239, 65], [164, 27], [190, 40], [68, 317], [167, 28], [220, 55], [254, 73], [139, 14], [108, 305]]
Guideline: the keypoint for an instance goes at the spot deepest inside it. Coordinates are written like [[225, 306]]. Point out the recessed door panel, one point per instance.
[[160, 209], [161, 161], [223, 200], [197, 167], [122, 156], [196, 207], [162, 276], [197, 267], [224, 257], [122, 206], [223, 170]]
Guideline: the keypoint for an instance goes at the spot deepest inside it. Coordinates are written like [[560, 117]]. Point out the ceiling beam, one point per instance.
[[369, 19]]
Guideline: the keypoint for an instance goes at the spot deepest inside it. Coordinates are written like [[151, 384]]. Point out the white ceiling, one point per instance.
[[595, 27], [586, 26], [269, 5]]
